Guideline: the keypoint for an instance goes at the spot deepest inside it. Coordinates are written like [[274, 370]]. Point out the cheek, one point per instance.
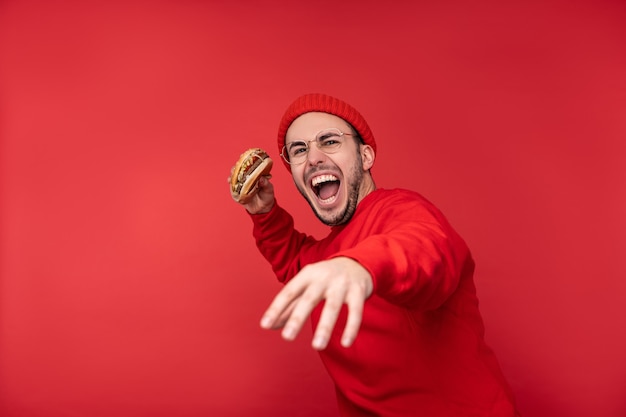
[[348, 164], [297, 176]]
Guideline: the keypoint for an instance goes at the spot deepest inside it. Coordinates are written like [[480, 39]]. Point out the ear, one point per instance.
[[367, 156]]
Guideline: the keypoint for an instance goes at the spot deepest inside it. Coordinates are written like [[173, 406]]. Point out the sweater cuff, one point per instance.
[[262, 218]]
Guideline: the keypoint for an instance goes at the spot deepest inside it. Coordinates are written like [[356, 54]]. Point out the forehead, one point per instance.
[[309, 124]]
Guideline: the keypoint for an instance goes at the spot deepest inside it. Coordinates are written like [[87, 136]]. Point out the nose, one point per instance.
[[315, 156]]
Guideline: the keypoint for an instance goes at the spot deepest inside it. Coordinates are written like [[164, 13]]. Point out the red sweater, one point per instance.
[[420, 350]]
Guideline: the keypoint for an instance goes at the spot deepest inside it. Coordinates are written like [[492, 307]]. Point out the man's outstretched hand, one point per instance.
[[338, 281]]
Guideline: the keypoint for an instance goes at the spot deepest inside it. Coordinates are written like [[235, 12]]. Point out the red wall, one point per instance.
[[130, 285]]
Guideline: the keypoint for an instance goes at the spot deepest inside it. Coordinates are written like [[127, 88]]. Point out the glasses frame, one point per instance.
[[284, 154]]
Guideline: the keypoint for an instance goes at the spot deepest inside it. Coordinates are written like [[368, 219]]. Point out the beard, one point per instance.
[[345, 214]]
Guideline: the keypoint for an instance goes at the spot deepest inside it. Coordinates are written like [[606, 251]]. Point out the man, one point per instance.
[[389, 291]]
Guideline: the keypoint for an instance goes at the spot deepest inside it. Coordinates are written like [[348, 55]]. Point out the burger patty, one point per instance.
[[249, 165]]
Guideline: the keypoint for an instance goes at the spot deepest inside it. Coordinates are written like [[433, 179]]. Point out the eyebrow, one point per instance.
[[295, 142]]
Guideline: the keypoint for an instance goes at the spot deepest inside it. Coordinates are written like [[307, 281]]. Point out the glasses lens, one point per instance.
[[285, 155], [296, 152], [329, 140]]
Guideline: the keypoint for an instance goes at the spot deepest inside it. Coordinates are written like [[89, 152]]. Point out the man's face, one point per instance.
[[333, 184]]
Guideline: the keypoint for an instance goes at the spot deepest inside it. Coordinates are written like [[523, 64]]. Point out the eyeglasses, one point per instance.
[[328, 141]]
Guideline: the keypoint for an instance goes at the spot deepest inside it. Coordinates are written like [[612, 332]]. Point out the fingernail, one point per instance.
[[346, 341], [289, 333], [319, 342], [265, 322]]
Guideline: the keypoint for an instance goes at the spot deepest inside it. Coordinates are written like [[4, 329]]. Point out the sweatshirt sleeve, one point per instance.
[[279, 242], [414, 256]]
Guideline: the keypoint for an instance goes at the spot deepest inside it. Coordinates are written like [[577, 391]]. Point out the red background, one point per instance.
[[130, 284]]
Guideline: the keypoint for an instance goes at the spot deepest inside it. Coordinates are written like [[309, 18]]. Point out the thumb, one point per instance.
[[264, 181]]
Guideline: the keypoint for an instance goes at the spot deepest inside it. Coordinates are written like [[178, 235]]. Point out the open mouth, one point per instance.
[[325, 188]]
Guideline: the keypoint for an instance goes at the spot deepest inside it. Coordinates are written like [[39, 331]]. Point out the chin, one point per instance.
[[337, 215], [334, 217], [329, 220]]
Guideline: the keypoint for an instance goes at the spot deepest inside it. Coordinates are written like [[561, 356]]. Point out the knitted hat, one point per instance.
[[326, 104]]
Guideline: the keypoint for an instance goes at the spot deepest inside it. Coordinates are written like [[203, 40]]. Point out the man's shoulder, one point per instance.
[[400, 202], [386, 195]]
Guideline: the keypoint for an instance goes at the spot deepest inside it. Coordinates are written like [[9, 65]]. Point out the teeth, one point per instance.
[[323, 178]]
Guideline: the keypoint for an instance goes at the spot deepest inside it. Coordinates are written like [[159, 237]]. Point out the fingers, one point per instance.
[[292, 308], [301, 312], [355, 302], [282, 307], [328, 319], [265, 184], [260, 199], [284, 316], [293, 305]]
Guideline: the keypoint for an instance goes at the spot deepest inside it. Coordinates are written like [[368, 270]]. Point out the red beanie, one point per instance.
[[326, 104]]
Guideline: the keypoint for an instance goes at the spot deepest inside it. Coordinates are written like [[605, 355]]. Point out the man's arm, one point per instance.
[[418, 267], [413, 258], [273, 231], [279, 242]]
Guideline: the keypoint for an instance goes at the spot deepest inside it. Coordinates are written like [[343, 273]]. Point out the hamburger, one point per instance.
[[252, 164]]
